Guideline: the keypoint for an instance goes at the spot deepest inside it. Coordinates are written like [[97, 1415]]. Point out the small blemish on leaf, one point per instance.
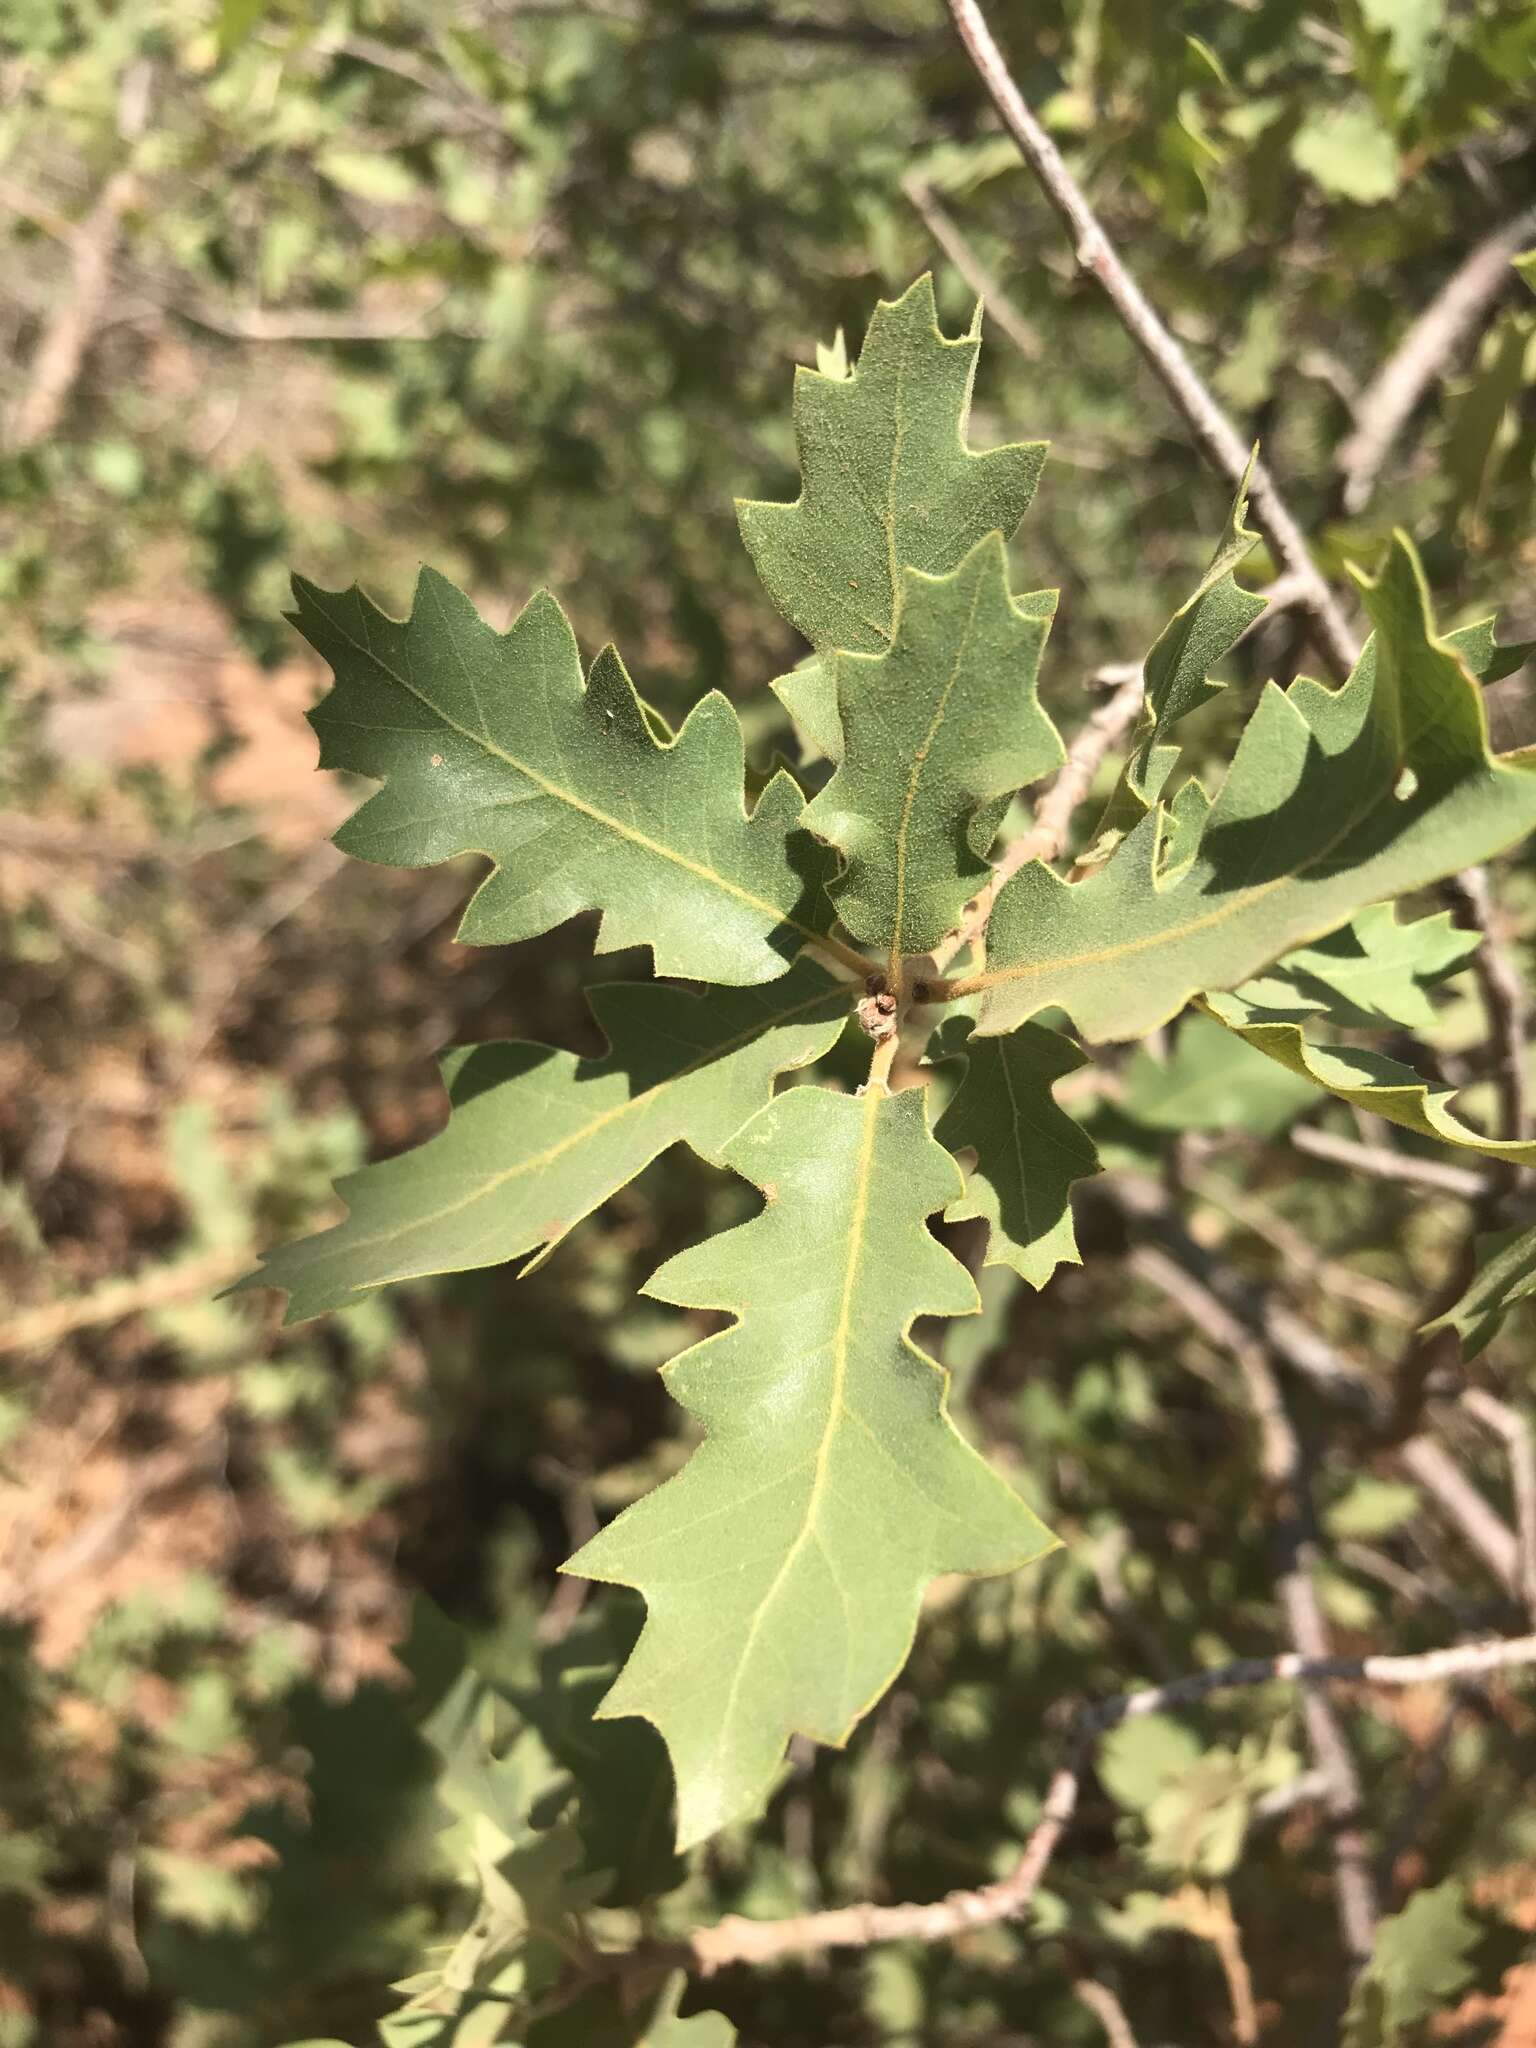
[[437, 760]]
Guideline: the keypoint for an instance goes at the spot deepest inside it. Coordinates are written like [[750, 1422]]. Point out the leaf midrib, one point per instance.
[[572, 1139], [836, 1406], [920, 761], [576, 803], [996, 977]]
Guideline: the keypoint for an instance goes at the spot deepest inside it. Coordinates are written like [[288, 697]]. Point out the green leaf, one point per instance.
[[1336, 799], [1473, 430], [488, 743], [809, 694], [1505, 1276], [536, 1138], [1372, 1508], [1204, 629], [938, 732], [1372, 973], [1028, 1152], [1348, 152], [1369, 1080], [1488, 661], [784, 1566], [1211, 1081], [887, 482], [809, 691], [623, 1810], [377, 175], [1141, 1757], [1415, 32], [1420, 1962]]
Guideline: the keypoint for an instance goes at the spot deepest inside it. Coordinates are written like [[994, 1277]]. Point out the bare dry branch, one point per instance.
[[1505, 1000], [1384, 1163], [93, 246], [1515, 1431], [939, 222], [1096, 255], [1103, 730], [738, 1940], [1285, 1468], [183, 1280], [1429, 345], [1107, 2010]]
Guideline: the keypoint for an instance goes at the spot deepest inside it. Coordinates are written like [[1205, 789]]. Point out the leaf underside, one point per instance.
[[1335, 799], [937, 734], [489, 743], [1028, 1152], [784, 1566], [537, 1138]]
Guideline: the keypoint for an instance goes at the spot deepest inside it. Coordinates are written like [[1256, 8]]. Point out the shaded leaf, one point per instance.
[[1028, 1151], [1335, 799], [699, 2030], [1505, 1276], [1211, 1081], [784, 1566], [1473, 430], [938, 732], [1204, 629], [536, 1138], [887, 482], [488, 743], [1372, 973]]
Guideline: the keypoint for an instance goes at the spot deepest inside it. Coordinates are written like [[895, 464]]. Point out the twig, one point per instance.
[[1424, 351], [436, 84], [1305, 1351], [56, 362], [1107, 2010], [23, 1591], [738, 1940], [1304, 1264], [313, 323], [1426, 1667], [1046, 837], [1384, 1163], [1000, 309], [580, 1518], [1284, 1465], [1209, 1916], [1216, 434], [183, 1280], [1483, 1530], [1520, 1444], [1505, 999]]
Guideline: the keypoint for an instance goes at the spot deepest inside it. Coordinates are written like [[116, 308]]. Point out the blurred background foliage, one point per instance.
[[516, 288]]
